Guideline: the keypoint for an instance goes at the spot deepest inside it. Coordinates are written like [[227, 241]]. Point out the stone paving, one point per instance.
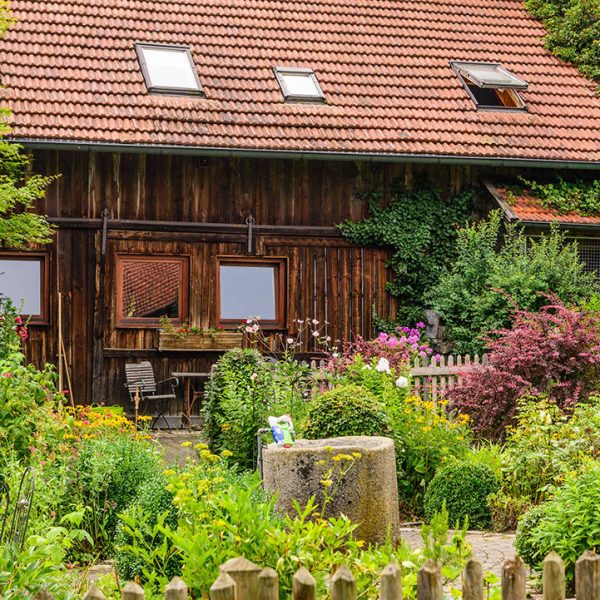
[[492, 549]]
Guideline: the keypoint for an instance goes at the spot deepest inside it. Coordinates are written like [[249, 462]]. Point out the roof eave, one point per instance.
[[80, 145]]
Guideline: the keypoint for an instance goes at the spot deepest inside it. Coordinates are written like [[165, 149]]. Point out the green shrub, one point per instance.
[[493, 272], [568, 523], [524, 544], [106, 477], [425, 437], [242, 392], [465, 489], [345, 410], [224, 513], [153, 505]]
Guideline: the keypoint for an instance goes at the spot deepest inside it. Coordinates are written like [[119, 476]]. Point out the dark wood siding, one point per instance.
[[198, 207]]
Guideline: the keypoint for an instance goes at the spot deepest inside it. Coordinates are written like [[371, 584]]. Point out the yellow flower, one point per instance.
[[226, 453], [357, 454], [427, 428], [169, 472], [186, 444], [326, 483], [200, 446]]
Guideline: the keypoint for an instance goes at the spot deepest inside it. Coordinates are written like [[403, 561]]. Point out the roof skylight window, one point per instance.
[[490, 85], [299, 85], [168, 69]]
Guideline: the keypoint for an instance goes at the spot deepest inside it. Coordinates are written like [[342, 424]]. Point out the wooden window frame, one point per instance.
[[281, 288], [124, 322], [44, 258], [168, 90]]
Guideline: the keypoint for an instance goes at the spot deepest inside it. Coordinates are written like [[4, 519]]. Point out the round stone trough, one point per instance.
[[367, 494]]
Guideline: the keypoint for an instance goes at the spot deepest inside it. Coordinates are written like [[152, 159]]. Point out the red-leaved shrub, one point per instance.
[[554, 351]]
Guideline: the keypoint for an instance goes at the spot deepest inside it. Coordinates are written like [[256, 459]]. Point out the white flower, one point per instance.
[[290, 341], [328, 338], [253, 376], [315, 334], [315, 322], [334, 355], [402, 382], [383, 366], [368, 367]]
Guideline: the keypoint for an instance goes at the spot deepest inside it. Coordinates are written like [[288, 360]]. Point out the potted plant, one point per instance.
[[186, 337]]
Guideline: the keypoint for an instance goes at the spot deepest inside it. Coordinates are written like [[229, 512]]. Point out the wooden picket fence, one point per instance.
[[241, 579], [431, 379]]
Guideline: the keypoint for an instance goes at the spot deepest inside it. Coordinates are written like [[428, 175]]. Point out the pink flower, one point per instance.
[[421, 325]]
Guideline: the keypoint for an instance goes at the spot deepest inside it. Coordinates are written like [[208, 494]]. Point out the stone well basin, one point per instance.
[[367, 495]]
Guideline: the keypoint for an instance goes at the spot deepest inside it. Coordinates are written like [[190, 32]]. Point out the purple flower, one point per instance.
[[382, 337], [421, 325], [406, 329]]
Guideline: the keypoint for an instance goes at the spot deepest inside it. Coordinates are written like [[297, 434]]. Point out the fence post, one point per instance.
[[343, 585], [176, 590], [391, 583], [304, 585], [245, 574], [223, 588], [514, 579], [268, 585], [94, 594], [132, 591], [587, 576], [429, 582], [554, 577], [472, 580]]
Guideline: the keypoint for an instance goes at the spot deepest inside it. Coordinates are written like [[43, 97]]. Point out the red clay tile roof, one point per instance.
[[522, 206], [72, 74]]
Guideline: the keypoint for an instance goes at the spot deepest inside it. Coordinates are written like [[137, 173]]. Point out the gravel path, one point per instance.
[[492, 549]]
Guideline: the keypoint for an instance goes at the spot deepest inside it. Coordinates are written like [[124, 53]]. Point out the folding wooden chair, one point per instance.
[[142, 384]]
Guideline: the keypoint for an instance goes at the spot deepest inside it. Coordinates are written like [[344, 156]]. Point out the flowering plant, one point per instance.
[[426, 435], [305, 335], [185, 329], [395, 350]]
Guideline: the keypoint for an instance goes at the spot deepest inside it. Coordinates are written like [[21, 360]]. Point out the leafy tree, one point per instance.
[[573, 31], [19, 189], [420, 227], [494, 274]]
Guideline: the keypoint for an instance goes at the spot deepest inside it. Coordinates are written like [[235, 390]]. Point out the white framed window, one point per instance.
[[490, 85], [299, 85], [169, 69]]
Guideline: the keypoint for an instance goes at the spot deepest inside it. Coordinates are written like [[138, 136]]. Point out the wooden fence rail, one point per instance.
[[241, 579], [431, 379]]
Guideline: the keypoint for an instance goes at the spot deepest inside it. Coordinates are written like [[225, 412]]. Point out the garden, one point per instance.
[[515, 444]]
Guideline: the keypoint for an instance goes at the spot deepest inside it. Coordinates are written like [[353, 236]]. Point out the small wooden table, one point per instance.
[[189, 394]]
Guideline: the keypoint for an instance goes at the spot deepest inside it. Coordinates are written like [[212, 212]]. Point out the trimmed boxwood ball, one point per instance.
[[464, 488], [345, 410]]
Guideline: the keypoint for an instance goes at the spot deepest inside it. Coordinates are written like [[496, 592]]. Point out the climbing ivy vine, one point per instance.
[[420, 228], [573, 31], [582, 197]]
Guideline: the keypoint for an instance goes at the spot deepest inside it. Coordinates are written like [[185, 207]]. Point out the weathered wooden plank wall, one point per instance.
[[328, 278]]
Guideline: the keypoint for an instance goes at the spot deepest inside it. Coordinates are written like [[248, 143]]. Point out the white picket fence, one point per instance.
[[431, 379]]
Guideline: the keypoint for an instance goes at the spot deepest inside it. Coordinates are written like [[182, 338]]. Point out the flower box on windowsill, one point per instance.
[[200, 342]]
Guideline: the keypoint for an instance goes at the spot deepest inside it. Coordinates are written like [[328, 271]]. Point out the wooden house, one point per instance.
[[208, 149]]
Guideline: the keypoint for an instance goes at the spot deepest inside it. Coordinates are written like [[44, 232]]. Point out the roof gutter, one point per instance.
[[207, 151]]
